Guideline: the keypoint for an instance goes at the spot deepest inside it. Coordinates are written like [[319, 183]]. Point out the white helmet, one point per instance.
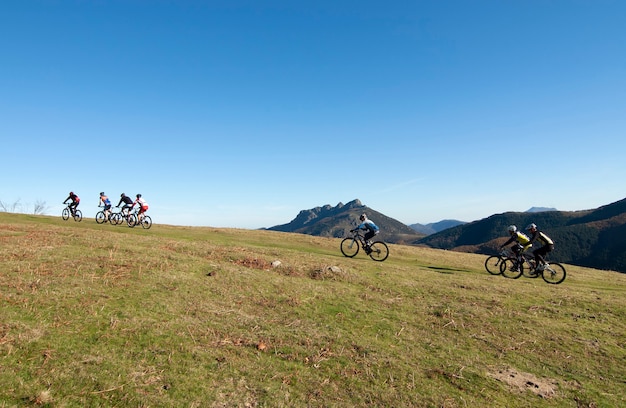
[[512, 228], [531, 226]]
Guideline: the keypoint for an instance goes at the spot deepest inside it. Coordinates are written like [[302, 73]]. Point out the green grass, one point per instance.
[[97, 315]]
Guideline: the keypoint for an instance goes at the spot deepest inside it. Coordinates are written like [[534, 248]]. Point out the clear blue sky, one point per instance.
[[242, 113]]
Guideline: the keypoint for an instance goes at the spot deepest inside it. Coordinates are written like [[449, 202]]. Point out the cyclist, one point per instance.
[[371, 228], [143, 206], [128, 203], [75, 201], [104, 201], [522, 244], [547, 246]]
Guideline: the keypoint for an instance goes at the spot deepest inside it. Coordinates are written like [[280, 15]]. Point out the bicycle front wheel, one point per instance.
[[380, 251], [554, 273], [100, 217], [146, 222], [349, 247], [131, 220], [510, 269], [78, 216], [65, 214], [116, 218], [492, 264]]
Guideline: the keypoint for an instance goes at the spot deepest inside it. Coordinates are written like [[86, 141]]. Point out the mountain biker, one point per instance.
[[143, 206], [522, 245], [128, 203], [104, 201], [547, 246], [371, 228], [75, 201]]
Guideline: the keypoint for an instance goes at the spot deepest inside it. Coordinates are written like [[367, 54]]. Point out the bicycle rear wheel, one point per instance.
[[379, 251], [116, 218], [554, 273], [349, 247], [78, 216], [492, 264], [507, 265]]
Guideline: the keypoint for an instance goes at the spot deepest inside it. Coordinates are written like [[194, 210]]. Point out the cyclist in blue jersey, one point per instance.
[[104, 201], [370, 228]]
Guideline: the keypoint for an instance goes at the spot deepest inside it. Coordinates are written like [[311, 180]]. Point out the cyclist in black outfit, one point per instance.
[[128, 203]]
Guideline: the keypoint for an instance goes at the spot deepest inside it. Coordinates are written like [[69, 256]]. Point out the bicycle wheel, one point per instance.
[[349, 247], [380, 251], [78, 216], [100, 217], [507, 265], [65, 214], [131, 220], [116, 218], [492, 264], [146, 223], [554, 273]]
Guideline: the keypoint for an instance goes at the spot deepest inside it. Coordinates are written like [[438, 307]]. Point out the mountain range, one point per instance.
[[593, 238]]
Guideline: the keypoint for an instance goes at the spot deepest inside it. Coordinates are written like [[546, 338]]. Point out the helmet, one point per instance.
[[512, 228], [71, 193], [363, 217], [101, 193], [531, 226], [138, 195], [122, 195]]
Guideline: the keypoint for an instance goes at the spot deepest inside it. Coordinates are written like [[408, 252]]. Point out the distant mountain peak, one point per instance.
[[540, 209], [337, 221]]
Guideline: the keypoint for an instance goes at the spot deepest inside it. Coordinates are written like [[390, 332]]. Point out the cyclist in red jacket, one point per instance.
[[75, 201], [143, 206]]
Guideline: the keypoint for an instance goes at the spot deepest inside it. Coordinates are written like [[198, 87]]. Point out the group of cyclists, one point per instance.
[[105, 202], [523, 243]]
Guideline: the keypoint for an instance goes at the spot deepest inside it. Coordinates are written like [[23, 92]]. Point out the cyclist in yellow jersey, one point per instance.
[[547, 246], [522, 242]]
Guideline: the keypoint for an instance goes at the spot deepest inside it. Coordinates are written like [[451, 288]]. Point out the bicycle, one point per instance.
[[118, 217], [76, 214], [378, 250], [102, 218], [492, 263], [133, 219], [552, 272]]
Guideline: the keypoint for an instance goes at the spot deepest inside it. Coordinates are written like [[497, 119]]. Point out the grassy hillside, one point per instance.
[[95, 315]]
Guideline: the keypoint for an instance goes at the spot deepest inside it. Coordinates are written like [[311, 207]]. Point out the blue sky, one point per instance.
[[242, 113]]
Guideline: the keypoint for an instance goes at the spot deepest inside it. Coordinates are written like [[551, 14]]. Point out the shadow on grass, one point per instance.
[[445, 270]]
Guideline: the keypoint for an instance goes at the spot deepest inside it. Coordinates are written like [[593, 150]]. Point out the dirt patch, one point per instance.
[[545, 388]]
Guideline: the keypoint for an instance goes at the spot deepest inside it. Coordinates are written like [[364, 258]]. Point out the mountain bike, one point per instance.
[[133, 219], [77, 214], [118, 217], [102, 218], [378, 250], [492, 263], [552, 272]]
